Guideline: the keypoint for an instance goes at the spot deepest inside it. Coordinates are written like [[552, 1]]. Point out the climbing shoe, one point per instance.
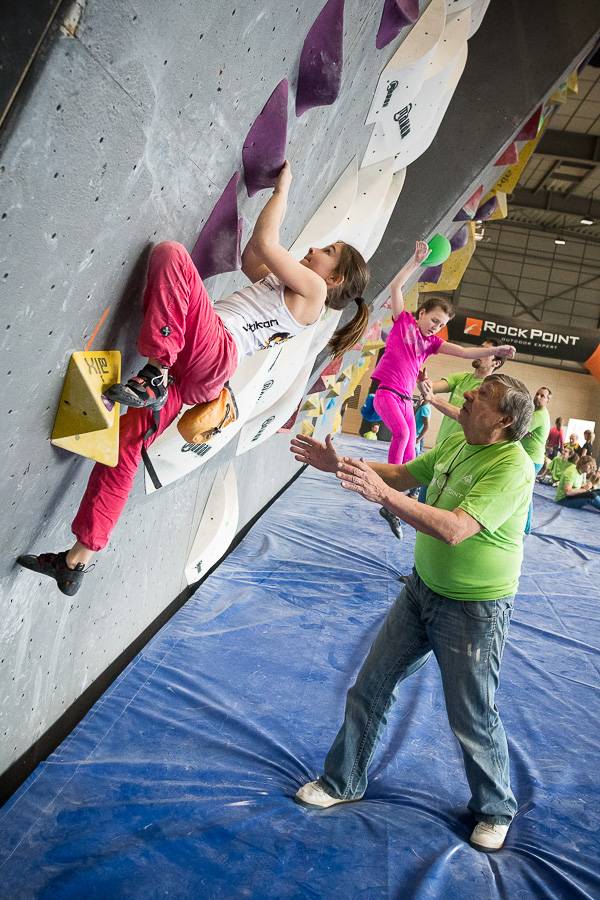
[[146, 389], [55, 565], [393, 521]]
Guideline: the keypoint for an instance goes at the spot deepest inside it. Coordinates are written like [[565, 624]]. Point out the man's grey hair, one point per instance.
[[515, 402]]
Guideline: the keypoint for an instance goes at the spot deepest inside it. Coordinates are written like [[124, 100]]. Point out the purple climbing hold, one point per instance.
[[470, 206], [460, 239], [263, 153], [486, 209], [320, 71], [397, 14], [217, 249], [431, 274]]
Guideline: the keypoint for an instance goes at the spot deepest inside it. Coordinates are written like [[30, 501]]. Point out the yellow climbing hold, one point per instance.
[[307, 428], [84, 424]]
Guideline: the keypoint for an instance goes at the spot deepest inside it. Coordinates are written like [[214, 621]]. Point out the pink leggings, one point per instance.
[[182, 330], [399, 417]]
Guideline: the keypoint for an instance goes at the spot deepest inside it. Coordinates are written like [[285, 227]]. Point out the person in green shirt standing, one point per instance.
[[575, 488], [534, 442], [456, 384], [456, 604]]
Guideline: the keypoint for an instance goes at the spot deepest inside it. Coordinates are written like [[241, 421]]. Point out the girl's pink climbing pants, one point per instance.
[[183, 331]]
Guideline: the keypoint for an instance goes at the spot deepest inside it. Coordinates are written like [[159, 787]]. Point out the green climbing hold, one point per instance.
[[439, 250]]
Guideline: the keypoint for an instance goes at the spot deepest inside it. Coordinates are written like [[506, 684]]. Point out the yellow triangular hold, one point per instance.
[[560, 95], [307, 428], [311, 403], [83, 423]]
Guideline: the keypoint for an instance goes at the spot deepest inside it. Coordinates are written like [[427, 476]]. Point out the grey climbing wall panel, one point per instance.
[[123, 135]]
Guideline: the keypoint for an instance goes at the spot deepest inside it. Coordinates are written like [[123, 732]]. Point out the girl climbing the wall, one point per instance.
[[410, 342], [193, 348]]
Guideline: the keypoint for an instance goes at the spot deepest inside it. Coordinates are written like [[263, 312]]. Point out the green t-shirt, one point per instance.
[[534, 443], [493, 484], [458, 383], [558, 466], [370, 435], [571, 478]]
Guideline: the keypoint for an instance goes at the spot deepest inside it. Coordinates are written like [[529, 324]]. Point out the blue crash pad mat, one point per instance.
[[179, 781]]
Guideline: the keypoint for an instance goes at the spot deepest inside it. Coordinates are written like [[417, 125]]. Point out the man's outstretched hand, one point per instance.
[[314, 453], [359, 477]]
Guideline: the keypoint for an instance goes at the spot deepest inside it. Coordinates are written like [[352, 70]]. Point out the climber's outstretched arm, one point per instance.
[[264, 252]]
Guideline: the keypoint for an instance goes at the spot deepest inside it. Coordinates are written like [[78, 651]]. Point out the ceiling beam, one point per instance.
[[551, 201], [554, 230], [569, 146]]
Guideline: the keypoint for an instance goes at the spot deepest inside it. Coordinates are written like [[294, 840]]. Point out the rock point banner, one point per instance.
[[534, 338]]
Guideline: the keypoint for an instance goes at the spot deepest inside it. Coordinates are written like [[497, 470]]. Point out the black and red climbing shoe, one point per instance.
[[147, 390], [393, 521], [55, 565]]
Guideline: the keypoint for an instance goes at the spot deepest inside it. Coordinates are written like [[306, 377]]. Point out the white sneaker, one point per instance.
[[313, 795], [488, 837]]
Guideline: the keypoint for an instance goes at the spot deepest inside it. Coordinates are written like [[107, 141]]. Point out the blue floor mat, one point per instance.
[[179, 782]]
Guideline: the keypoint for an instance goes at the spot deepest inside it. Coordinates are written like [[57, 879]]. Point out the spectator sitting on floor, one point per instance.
[[554, 468], [576, 486], [573, 444], [371, 434], [555, 441]]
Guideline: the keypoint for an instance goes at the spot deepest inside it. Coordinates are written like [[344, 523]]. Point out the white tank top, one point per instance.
[[257, 316]]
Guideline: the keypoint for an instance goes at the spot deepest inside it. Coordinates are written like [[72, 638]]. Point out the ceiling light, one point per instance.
[[559, 241], [586, 222]]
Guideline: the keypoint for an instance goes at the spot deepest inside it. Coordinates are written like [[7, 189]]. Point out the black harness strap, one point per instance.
[[394, 391], [145, 458]]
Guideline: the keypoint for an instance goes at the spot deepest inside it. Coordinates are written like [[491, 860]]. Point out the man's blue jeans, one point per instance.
[[537, 467], [580, 502], [467, 639]]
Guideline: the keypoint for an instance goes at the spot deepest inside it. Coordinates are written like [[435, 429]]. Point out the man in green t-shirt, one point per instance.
[[456, 384], [458, 601], [534, 442], [556, 467], [559, 464], [575, 488]]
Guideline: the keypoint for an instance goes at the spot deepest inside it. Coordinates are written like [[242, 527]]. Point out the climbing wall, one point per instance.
[[130, 128], [126, 132]]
